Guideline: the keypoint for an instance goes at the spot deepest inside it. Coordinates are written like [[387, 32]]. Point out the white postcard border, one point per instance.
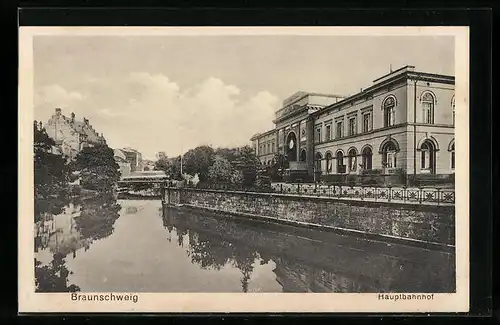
[[29, 301]]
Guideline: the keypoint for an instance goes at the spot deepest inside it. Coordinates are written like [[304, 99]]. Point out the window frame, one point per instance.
[[352, 158], [428, 101], [317, 134], [352, 131], [389, 111], [328, 132], [339, 130]]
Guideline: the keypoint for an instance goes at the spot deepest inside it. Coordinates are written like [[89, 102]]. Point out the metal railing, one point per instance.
[[369, 193]]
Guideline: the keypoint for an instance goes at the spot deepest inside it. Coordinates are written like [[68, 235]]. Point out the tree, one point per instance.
[[98, 216], [162, 164], [248, 163], [98, 168], [237, 177], [198, 161], [221, 171], [53, 277], [51, 175], [171, 166], [231, 154], [280, 163]]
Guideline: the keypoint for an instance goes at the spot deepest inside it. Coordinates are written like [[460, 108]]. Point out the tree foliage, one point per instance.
[[280, 163], [51, 175], [171, 167], [198, 161], [221, 171], [98, 216], [222, 165], [248, 164], [53, 277], [98, 168]]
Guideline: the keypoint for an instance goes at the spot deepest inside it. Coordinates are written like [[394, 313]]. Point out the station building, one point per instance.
[[402, 124]]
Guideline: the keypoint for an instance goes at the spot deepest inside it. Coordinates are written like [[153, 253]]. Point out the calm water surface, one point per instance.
[[140, 246]]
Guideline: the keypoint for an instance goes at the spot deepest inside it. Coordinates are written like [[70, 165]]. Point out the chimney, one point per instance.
[[86, 121], [58, 112], [36, 124], [40, 126], [72, 117]]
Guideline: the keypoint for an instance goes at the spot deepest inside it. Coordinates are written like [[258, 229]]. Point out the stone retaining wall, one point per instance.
[[390, 220]]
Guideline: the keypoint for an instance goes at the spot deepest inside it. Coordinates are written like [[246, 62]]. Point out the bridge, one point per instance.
[[144, 177], [143, 183]]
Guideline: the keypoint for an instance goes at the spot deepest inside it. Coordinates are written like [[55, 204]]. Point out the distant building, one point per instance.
[[134, 157], [70, 135], [121, 160], [403, 122]]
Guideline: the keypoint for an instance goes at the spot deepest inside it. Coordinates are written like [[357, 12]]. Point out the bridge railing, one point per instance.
[[365, 193]]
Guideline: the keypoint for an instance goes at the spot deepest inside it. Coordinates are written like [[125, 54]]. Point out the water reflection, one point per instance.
[[101, 244], [309, 261], [70, 226]]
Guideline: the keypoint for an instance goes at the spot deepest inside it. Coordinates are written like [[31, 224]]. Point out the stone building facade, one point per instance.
[[70, 135], [402, 124], [265, 146], [134, 157], [121, 160]]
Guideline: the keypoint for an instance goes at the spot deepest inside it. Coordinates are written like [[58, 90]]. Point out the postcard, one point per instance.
[[243, 169]]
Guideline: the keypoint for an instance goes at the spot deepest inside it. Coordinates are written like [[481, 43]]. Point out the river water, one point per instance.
[[111, 245]]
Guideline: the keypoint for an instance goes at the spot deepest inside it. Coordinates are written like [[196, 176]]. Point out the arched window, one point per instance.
[[428, 108], [328, 159], [318, 159], [340, 162], [388, 106], [303, 155], [353, 161], [452, 151], [427, 157], [367, 158], [389, 155], [453, 108]]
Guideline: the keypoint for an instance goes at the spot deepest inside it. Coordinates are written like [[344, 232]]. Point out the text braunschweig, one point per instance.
[[104, 297]]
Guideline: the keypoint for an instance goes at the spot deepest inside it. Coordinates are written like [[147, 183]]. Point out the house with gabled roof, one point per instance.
[[70, 135]]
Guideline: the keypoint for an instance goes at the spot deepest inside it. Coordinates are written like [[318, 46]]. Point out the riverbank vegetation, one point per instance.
[[59, 180], [234, 166]]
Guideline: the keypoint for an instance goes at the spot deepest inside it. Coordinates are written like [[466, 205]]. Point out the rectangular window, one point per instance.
[[317, 137], [268, 148], [272, 147], [366, 122], [427, 112], [453, 160], [352, 126], [339, 130], [328, 133]]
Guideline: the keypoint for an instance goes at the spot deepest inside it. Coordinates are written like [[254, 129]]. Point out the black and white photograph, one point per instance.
[[243, 169]]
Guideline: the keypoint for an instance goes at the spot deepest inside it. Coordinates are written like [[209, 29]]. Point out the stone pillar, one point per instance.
[[299, 147], [310, 146]]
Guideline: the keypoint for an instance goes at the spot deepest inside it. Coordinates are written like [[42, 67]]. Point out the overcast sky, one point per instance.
[[172, 93]]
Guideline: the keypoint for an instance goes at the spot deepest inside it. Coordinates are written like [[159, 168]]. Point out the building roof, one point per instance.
[[118, 153], [394, 76], [263, 134], [128, 149]]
